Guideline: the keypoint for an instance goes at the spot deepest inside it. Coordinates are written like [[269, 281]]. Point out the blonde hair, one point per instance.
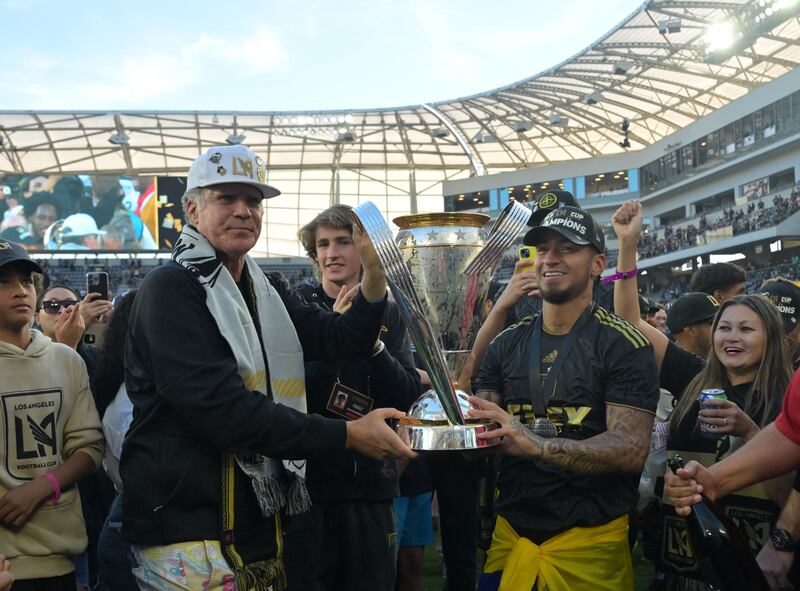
[[772, 378]]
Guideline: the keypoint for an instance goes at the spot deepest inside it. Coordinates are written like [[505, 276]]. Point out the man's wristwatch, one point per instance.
[[782, 540]]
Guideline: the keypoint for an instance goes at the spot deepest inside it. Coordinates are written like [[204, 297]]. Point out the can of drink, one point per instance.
[[707, 430]]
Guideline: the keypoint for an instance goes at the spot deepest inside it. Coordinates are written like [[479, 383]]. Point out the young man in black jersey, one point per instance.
[[347, 540], [574, 390]]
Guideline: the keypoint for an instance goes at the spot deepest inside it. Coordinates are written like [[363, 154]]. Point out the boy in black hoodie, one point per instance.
[[347, 539]]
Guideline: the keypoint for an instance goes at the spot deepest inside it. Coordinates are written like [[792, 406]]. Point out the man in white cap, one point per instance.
[[78, 231], [214, 459]]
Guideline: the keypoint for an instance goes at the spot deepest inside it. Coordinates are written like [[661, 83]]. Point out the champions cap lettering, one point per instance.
[[230, 164], [576, 225], [11, 252], [786, 297]]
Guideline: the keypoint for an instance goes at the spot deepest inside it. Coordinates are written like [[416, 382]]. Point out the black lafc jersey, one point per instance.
[[610, 363]]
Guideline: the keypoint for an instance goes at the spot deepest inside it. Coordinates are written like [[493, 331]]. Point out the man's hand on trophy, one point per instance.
[[373, 283], [373, 437], [628, 220], [369, 257], [515, 438]]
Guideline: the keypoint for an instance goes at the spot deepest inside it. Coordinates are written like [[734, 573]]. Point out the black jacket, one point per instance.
[[390, 379], [190, 406]]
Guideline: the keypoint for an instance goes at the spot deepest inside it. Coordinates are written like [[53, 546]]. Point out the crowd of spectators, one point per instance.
[[756, 276], [739, 220], [127, 274]]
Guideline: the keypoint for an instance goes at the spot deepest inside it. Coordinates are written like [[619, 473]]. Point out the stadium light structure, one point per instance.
[[593, 98], [720, 36], [345, 137], [522, 126], [725, 39], [440, 133], [118, 139], [556, 119], [669, 25], [622, 67], [484, 138]]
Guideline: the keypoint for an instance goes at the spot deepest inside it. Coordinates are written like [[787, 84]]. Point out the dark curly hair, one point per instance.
[[31, 204], [110, 371]]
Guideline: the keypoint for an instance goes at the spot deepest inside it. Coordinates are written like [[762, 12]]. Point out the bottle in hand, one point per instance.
[[719, 547]]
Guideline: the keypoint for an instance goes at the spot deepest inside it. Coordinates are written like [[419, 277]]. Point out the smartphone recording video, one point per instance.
[[97, 282]]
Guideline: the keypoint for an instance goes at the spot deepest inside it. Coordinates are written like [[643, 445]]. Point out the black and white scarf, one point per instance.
[[278, 484]]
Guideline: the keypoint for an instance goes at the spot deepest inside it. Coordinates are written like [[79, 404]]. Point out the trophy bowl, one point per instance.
[[427, 428]]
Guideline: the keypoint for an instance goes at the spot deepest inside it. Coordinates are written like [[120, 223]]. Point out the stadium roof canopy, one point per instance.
[[666, 65]]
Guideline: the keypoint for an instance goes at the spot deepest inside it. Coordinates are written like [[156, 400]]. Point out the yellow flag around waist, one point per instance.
[[593, 558]]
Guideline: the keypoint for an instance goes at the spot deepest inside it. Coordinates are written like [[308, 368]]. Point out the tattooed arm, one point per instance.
[[622, 449]]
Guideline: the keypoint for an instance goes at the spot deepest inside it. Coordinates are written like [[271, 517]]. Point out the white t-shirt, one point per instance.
[[116, 421]]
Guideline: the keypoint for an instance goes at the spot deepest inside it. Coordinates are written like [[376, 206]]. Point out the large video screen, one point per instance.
[[86, 212]]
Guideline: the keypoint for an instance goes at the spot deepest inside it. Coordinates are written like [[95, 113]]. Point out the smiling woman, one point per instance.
[[749, 351]]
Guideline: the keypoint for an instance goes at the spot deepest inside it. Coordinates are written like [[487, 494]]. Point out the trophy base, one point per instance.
[[427, 429], [431, 438]]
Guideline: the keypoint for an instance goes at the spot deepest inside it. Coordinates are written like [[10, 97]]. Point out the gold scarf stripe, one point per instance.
[[256, 382], [288, 387]]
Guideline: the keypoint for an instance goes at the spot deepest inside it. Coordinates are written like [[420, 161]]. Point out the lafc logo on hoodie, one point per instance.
[[29, 425]]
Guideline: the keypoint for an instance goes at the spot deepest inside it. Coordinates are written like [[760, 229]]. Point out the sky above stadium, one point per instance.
[[231, 55]]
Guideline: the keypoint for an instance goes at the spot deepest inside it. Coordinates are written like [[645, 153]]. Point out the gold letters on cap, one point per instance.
[[242, 167]]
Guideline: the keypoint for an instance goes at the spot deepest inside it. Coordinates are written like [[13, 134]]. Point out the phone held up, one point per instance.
[[527, 254], [97, 282]]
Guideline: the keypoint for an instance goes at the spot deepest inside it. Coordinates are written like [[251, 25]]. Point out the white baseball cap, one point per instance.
[[230, 164], [80, 224]]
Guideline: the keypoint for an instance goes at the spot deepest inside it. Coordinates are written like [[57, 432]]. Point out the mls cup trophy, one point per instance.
[[438, 270]]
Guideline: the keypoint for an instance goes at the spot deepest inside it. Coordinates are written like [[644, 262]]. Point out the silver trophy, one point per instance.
[[438, 270]]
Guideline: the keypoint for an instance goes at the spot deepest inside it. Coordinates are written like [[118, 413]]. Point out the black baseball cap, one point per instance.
[[548, 202], [11, 252], [691, 308], [573, 223], [786, 297]]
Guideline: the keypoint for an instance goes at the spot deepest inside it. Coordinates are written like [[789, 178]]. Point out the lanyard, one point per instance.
[[323, 302], [538, 397]]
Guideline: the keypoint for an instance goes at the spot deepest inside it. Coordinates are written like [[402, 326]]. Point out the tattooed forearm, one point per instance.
[[491, 396], [621, 449]]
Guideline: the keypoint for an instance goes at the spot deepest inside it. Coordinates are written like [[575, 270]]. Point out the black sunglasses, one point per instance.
[[54, 306]]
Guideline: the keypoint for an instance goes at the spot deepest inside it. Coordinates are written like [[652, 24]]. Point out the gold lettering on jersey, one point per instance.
[[524, 412], [571, 417], [574, 415], [242, 167]]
